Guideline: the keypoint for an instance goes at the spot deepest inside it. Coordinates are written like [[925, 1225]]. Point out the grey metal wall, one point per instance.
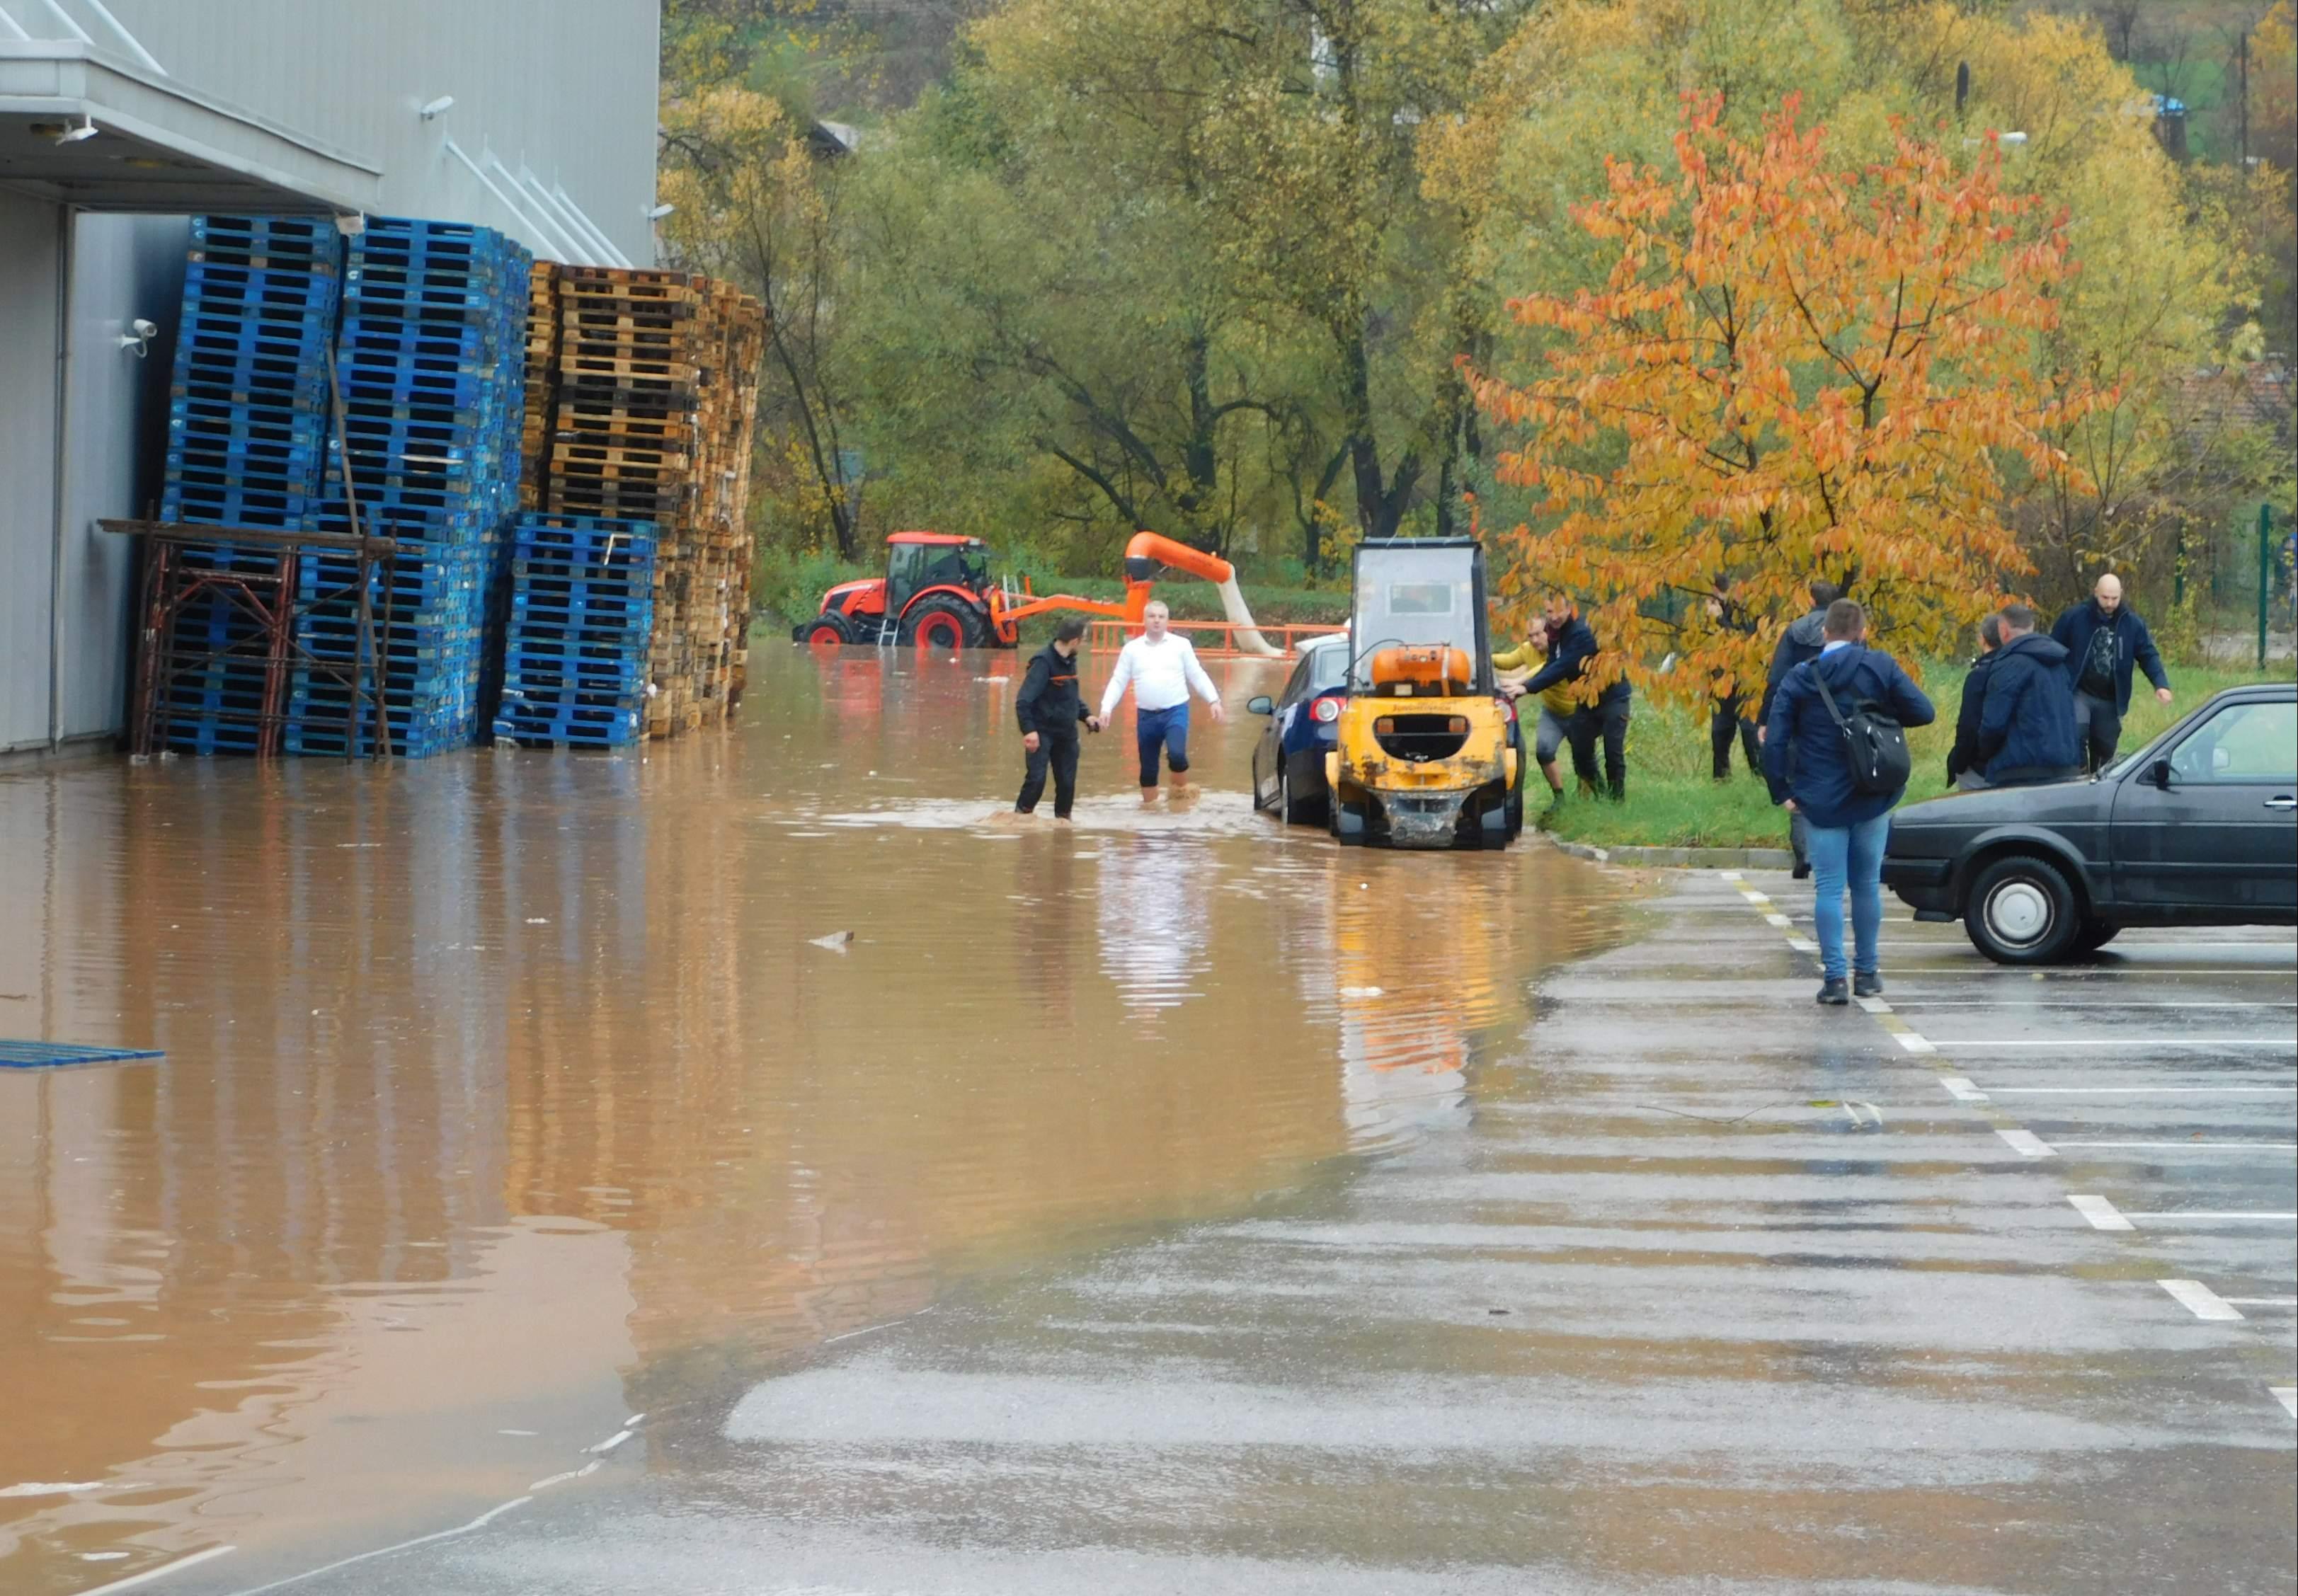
[[29, 249], [566, 87]]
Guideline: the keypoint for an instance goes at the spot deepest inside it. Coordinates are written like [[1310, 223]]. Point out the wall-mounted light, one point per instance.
[[654, 213], [71, 133], [436, 109]]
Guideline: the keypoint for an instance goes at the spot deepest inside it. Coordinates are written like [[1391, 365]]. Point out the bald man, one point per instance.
[[2104, 638]]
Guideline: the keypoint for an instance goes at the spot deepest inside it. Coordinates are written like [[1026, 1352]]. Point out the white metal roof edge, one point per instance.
[[68, 79]]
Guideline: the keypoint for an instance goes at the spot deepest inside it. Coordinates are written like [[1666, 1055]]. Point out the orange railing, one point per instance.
[[1214, 639]]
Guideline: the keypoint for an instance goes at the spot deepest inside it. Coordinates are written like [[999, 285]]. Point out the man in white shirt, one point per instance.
[[1162, 668]]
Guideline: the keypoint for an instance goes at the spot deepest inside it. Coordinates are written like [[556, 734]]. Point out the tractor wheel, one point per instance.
[[944, 623], [824, 631]]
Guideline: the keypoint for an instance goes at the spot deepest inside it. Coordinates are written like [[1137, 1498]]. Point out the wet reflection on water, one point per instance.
[[509, 1095]]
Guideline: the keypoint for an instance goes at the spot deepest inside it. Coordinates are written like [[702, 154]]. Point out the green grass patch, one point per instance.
[[1672, 802]]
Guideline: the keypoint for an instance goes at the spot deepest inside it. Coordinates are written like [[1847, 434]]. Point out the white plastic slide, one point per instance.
[[1248, 637]]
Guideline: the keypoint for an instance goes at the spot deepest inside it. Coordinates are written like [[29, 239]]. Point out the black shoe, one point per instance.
[[1866, 986], [1834, 994]]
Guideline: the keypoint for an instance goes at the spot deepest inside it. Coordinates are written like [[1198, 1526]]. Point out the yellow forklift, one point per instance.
[[1428, 754]]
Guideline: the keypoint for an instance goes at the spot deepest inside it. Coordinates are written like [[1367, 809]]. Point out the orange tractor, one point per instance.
[[938, 593]]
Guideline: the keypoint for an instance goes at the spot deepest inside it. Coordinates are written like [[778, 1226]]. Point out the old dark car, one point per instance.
[[2198, 828]]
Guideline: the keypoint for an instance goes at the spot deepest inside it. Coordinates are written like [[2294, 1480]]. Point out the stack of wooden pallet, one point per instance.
[[541, 351], [654, 402]]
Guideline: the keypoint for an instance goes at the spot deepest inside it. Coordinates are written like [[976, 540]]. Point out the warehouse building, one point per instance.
[[120, 118]]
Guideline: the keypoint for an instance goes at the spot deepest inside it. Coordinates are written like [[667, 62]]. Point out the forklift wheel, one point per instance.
[[1348, 823]]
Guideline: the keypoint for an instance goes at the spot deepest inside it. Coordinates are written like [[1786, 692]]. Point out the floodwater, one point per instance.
[[510, 1097]]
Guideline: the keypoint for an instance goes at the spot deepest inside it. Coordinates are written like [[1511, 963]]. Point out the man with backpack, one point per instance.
[[1837, 724]]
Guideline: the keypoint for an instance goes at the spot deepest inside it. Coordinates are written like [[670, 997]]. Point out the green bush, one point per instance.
[[789, 585]]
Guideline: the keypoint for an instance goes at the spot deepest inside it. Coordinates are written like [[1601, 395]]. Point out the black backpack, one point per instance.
[[1875, 744]]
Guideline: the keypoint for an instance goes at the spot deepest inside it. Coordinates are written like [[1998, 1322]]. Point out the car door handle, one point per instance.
[[2284, 801]]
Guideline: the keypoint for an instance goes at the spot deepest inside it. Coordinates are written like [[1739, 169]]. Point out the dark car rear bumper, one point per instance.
[[1926, 883]]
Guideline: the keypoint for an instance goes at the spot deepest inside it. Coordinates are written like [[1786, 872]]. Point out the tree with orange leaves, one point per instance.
[[1791, 371]]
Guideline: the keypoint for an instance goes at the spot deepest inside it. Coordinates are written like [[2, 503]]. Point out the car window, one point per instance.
[[2242, 743], [1328, 667], [1297, 686]]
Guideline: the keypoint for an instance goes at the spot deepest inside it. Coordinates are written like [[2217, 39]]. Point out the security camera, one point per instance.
[[437, 108], [138, 337], [144, 329], [654, 213], [71, 133]]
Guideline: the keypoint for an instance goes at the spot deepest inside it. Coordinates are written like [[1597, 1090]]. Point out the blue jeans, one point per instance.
[[1165, 731], [1852, 854]]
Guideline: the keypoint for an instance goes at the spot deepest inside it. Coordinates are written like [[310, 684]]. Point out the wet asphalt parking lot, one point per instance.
[[1988, 1287]]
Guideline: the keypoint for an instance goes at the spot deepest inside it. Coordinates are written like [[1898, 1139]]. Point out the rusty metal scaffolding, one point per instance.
[[265, 592], [181, 571]]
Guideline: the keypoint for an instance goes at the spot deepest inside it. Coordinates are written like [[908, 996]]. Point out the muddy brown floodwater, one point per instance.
[[508, 1096]]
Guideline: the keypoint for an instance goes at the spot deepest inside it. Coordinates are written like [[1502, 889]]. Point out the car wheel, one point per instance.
[[1299, 811], [2021, 910], [2095, 934]]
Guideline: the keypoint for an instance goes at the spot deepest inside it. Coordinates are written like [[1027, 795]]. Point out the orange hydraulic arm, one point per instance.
[[1144, 556]]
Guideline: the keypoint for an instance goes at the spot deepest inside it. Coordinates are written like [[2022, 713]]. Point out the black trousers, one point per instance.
[[2100, 725], [1609, 721], [1723, 723], [1058, 754]]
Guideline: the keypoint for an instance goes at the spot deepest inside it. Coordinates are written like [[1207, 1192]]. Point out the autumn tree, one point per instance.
[[2163, 295], [1791, 368]]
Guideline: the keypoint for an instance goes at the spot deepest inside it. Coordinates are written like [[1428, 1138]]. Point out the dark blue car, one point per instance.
[[1288, 762]]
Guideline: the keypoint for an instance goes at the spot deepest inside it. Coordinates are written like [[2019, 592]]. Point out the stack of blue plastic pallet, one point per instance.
[[580, 628], [247, 420], [430, 361]]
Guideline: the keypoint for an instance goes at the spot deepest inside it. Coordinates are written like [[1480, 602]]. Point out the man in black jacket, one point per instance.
[[2027, 725], [1802, 641], [2104, 638], [1571, 644], [1963, 758], [1050, 711]]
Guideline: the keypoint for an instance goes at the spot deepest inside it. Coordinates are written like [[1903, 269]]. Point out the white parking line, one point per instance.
[[2127, 1091], [2025, 1142], [1961, 1089], [2087, 1003], [2288, 1043], [2088, 973], [2200, 1300], [2278, 1148], [2225, 1217], [2287, 1395], [149, 1575], [2264, 1302], [2103, 1214]]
